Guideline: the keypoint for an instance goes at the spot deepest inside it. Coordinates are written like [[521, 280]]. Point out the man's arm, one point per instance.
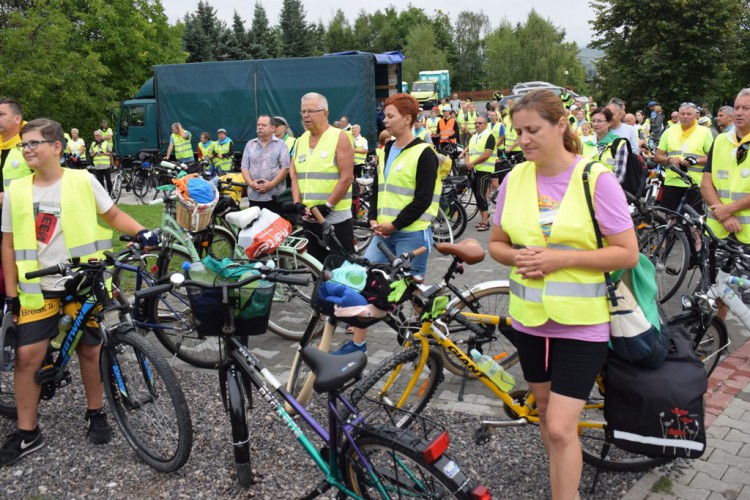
[[345, 164]]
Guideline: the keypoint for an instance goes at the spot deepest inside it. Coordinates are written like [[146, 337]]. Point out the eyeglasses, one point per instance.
[[310, 111], [32, 145], [742, 152]]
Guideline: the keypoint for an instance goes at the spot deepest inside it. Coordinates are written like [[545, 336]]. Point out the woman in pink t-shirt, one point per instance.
[[557, 286]]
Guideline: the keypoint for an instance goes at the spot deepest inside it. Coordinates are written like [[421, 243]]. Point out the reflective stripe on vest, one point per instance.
[[569, 296], [692, 147], [14, 167], [510, 135], [84, 238], [397, 191], [477, 147], [360, 143], [471, 119], [100, 159], [317, 174], [730, 184], [225, 163], [183, 150], [432, 125]]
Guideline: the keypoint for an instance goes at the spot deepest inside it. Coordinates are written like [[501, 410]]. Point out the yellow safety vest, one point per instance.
[[77, 147], [225, 164], [101, 160], [290, 141], [477, 147], [14, 167], [510, 135], [397, 191], [607, 158], [107, 132], [360, 158], [421, 134], [84, 237], [432, 125], [494, 129], [690, 147], [471, 117], [316, 173], [183, 150], [569, 296], [732, 182], [350, 136], [206, 151]]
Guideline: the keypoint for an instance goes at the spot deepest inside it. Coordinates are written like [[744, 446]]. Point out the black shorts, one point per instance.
[[47, 328], [573, 364], [671, 195]]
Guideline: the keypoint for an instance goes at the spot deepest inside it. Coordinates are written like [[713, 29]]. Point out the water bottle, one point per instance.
[[66, 323], [494, 372], [197, 271]]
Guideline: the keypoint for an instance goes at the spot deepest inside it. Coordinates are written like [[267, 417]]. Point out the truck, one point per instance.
[[431, 87], [232, 94]]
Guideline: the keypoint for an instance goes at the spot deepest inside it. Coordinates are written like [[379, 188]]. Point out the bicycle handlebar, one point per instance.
[[47, 271], [683, 175]]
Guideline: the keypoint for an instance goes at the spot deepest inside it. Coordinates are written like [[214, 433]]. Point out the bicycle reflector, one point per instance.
[[481, 493], [436, 448]]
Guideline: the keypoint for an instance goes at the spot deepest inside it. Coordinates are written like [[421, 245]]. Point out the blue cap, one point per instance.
[[652, 103]]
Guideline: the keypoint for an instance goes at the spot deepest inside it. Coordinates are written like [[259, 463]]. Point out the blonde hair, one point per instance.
[[550, 107]]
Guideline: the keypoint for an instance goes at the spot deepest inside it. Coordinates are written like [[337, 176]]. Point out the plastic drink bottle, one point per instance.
[[494, 372]]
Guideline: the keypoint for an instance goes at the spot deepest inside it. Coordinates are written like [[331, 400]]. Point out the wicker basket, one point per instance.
[[192, 216]]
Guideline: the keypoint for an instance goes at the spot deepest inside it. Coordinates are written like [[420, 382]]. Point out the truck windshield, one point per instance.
[[423, 87]]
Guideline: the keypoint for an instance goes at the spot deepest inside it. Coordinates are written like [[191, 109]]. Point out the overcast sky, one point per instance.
[[572, 15]]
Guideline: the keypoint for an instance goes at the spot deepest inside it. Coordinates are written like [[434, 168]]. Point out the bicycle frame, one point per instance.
[[252, 369]]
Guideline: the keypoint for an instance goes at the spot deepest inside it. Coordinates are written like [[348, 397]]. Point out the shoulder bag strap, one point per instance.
[[599, 242]]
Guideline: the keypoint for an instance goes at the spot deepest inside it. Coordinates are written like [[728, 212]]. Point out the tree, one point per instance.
[[204, 34], [470, 32], [295, 31], [677, 52], [238, 43], [261, 35], [534, 50], [338, 36], [422, 53]]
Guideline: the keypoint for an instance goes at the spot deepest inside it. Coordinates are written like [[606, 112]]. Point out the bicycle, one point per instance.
[[170, 316], [141, 389], [489, 298], [358, 459], [400, 383]]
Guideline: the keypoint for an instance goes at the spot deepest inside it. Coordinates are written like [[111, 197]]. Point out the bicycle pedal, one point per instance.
[[46, 374], [48, 390], [482, 435], [65, 379]]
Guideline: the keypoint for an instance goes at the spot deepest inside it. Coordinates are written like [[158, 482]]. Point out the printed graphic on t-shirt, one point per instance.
[[46, 221], [547, 212]]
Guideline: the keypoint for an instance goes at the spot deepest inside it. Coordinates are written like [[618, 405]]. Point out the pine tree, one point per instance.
[[295, 31]]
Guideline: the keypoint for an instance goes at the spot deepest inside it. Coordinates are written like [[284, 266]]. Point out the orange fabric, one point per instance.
[[447, 131], [269, 239], [181, 184]]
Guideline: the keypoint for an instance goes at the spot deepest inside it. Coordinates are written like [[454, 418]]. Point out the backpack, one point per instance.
[[635, 169], [657, 412]]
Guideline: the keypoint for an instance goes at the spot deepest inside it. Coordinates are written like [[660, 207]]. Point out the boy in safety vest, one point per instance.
[[50, 217]]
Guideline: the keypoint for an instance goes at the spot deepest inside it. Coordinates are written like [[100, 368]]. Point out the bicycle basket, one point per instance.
[[375, 292], [251, 304], [192, 215]]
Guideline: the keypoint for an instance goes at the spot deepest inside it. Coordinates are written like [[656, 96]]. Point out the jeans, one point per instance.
[[399, 242]]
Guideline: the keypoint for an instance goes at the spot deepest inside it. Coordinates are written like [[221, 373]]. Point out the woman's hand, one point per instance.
[[538, 262], [384, 229]]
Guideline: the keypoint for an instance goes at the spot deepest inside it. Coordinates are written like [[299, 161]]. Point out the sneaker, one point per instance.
[[99, 431], [350, 347], [19, 444]]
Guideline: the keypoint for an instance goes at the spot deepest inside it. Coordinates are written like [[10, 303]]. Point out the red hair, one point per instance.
[[406, 105]]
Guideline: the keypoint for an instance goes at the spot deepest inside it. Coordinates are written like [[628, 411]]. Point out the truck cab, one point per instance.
[[136, 129], [426, 92]]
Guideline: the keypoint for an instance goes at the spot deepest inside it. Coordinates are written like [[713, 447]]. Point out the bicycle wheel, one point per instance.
[[237, 398], [388, 382], [400, 468], [7, 390], [592, 442], [116, 187], [291, 310], [171, 319], [668, 249], [216, 241], [147, 401], [493, 301], [456, 214], [469, 203], [442, 231], [301, 379], [709, 341], [142, 187]]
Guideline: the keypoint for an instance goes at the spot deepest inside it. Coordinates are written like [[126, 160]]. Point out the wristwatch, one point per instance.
[[328, 204]]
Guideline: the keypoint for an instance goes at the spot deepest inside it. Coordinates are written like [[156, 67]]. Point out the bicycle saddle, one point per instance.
[[243, 218], [332, 371], [469, 250], [364, 181]]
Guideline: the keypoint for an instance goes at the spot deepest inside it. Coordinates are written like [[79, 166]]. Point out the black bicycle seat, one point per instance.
[[332, 371]]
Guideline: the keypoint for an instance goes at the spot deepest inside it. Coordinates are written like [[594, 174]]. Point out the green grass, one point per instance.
[[149, 216], [663, 485]]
